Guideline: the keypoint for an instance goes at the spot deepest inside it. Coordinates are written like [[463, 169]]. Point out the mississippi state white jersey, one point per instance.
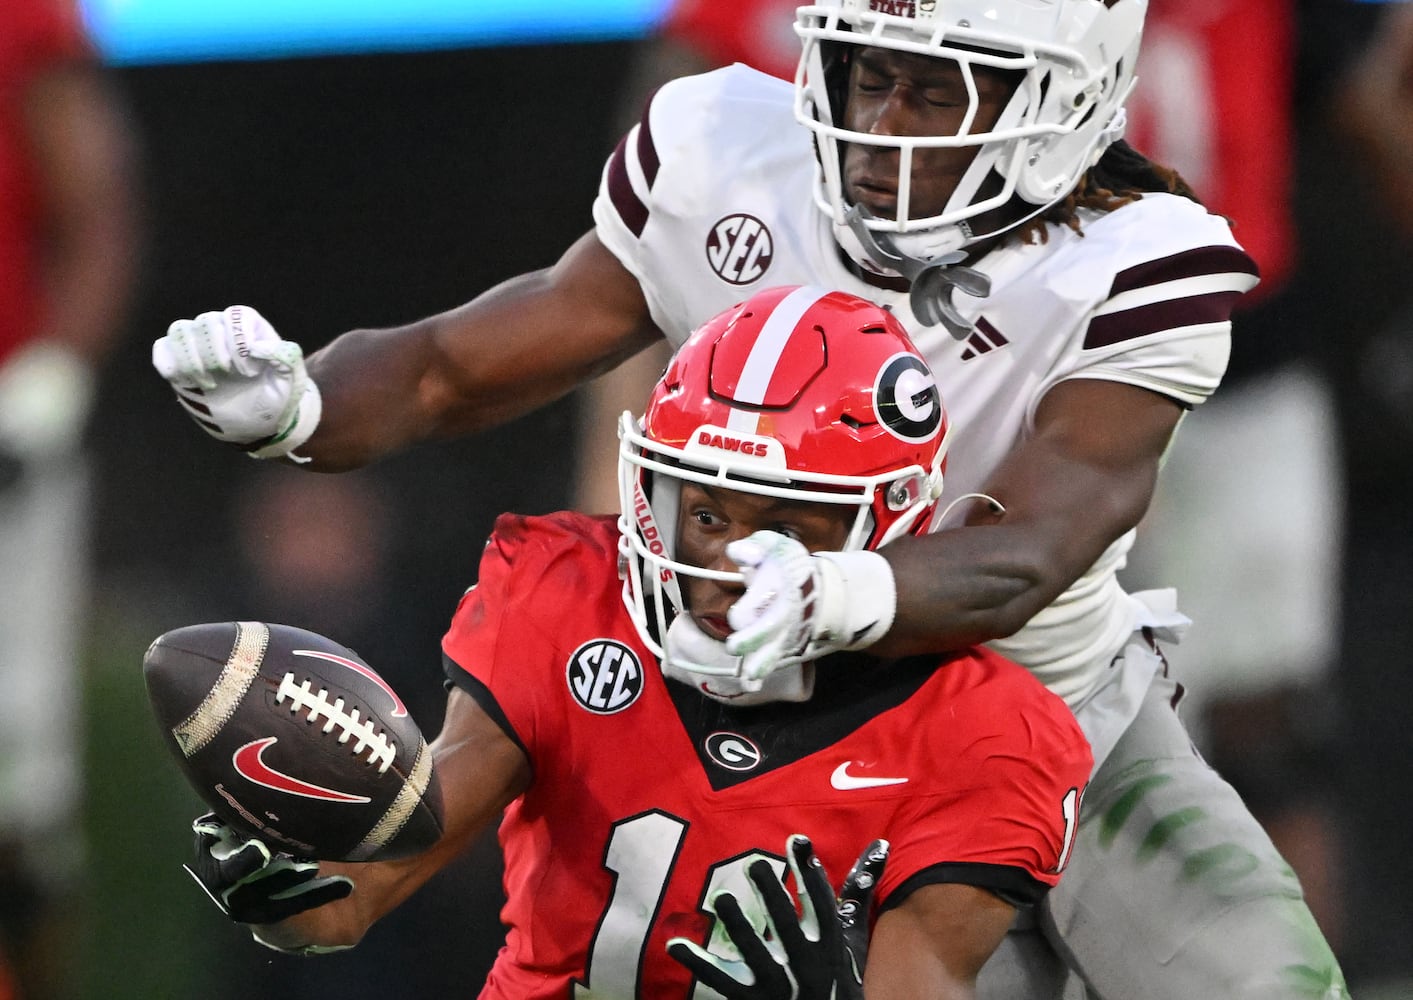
[[648, 796], [709, 199]]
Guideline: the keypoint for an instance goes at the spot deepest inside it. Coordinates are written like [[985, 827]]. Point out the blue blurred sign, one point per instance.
[[156, 31]]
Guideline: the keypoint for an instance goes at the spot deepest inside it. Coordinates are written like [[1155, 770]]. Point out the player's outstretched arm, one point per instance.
[[370, 393], [1082, 479], [303, 907], [520, 345], [1067, 492]]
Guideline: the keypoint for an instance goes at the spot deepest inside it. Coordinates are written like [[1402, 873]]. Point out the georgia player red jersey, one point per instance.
[[647, 796]]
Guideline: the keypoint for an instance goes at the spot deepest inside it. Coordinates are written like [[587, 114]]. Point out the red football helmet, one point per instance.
[[798, 393]]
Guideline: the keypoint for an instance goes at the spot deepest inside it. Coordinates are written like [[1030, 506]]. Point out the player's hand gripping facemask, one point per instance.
[[799, 394]]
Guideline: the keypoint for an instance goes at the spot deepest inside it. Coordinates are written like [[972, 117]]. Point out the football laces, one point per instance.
[[351, 725]]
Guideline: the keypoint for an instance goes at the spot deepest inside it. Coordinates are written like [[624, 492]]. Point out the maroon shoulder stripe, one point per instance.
[[630, 207], [625, 200], [647, 150], [1169, 314], [1197, 263]]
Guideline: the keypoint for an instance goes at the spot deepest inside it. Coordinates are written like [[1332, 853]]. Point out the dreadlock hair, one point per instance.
[[1122, 175]]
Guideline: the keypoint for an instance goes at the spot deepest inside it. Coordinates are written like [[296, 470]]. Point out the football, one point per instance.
[[292, 738]]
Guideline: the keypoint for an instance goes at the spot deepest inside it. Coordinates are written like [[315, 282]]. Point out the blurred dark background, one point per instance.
[[340, 192], [328, 193]]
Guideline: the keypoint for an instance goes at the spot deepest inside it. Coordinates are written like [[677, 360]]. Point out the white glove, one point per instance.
[[236, 378], [799, 607]]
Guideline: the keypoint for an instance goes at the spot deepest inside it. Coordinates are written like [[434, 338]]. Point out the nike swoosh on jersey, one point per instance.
[[250, 764], [844, 781]]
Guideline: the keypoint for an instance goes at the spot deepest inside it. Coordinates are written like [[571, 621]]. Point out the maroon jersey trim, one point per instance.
[[630, 207], [1191, 310]]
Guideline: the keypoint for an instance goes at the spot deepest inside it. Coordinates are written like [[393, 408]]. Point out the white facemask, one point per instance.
[[696, 659]]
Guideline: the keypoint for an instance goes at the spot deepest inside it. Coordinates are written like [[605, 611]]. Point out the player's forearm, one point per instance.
[[384, 390], [371, 384], [377, 889], [987, 578], [935, 943], [369, 393], [967, 586], [1068, 492], [511, 350], [473, 800], [333, 927]]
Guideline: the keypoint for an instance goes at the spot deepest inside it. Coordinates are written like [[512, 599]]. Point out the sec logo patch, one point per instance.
[[739, 249], [604, 676]]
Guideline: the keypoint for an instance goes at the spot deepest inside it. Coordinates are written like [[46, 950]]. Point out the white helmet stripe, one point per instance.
[[765, 355]]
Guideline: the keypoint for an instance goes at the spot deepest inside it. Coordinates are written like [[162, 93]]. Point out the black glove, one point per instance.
[[250, 884], [825, 948]]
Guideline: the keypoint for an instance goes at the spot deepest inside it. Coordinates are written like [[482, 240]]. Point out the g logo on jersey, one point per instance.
[[732, 751], [604, 676], [906, 399], [739, 248]]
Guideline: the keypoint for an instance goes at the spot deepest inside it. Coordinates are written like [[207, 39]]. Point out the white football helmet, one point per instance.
[[1077, 59], [798, 393]]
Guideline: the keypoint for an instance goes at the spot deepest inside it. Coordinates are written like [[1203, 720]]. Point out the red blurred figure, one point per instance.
[[1218, 106], [66, 261]]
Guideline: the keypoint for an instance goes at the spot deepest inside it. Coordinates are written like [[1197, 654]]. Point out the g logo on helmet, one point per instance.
[[906, 399]]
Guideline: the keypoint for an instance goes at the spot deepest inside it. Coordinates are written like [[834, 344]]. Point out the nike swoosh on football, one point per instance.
[[844, 781], [250, 764]]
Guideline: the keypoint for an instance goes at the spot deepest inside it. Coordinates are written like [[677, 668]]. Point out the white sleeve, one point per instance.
[[626, 202], [1164, 322], [681, 168]]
